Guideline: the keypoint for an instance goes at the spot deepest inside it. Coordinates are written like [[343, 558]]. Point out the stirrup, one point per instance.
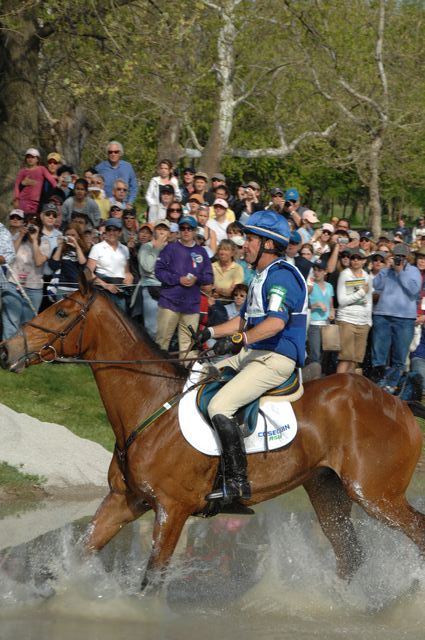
[[231, 490]]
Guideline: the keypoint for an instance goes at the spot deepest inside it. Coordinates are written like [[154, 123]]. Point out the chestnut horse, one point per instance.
[[355, 442]]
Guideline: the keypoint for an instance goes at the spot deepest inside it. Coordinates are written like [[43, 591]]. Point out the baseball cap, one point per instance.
[[310, 216], [320, 264], [54, 156], [32, 152], [357, 252], [366, 234], [196, 197], [201, 174], [327, 226], [174, 227], [50, 207], [113, 222], [188, 220], [189, 170], [292, 194], [353, 235], [253, 185], [17, 212], [165, 223], [401, 249], [166, 188], [295, 237], [219, 176], [220, 203], [148, 225], [276, 191]]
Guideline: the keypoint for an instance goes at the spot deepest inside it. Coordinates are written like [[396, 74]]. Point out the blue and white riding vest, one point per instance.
[[279, 291]]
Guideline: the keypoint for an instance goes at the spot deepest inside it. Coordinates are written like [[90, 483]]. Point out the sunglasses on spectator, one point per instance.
[[378, 260], [112, 229], [356, 258], [111, 151], [50, 214], [52, 161], [175, 209], [121, 188], [293, 242], [15, 218], [186, 228]]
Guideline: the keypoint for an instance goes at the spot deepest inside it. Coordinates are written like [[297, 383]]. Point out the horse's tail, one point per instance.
[[417, 408]]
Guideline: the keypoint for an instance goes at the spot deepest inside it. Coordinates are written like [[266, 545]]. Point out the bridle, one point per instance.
[[49, 348]]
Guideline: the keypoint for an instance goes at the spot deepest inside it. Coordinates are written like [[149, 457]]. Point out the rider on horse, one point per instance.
[[272, 331]]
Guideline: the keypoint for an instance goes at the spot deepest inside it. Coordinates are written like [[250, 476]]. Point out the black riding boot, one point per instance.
[[235, 479]]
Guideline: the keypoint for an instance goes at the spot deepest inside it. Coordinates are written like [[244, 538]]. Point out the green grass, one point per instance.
[[11, 477], [65, 394]]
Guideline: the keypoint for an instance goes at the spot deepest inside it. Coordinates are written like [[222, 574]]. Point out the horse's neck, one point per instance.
[[130, 393]]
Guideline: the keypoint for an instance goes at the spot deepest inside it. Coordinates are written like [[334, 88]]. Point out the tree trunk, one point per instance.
[[168, 139], [374, 191], [19, 51]]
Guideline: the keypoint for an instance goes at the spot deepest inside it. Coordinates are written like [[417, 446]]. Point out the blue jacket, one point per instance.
[[279, 291], [123, 171], [398, 292]]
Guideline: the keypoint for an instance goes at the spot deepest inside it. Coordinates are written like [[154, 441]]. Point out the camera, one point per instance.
[[287, 204], [398, 260], [32, 228], [342, 240]]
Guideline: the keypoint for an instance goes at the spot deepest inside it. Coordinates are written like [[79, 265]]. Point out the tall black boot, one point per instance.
[[235, 480]]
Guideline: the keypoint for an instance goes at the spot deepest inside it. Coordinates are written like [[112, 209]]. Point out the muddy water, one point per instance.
[[270, 576]]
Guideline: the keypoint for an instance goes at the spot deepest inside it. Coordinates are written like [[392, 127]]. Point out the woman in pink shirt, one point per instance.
[[29, 182]]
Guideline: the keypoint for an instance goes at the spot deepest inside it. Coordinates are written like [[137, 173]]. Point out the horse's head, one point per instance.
[[60, 330]]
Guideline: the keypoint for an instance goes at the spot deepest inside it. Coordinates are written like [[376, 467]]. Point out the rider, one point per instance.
[[272, 329]]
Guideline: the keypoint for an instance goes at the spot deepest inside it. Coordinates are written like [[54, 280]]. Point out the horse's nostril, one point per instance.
[[4, 356]]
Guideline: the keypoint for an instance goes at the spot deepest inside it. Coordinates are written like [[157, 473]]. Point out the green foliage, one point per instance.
[[11, 477]]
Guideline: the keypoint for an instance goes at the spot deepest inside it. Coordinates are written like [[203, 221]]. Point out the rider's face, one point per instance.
[[251, 248]]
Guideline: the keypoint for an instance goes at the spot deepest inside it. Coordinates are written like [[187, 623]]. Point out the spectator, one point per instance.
[[305, 229], [80, 203], [54, 161], [115, 212], [165, 177], [69, 258], [321, 239], [120, 195], [7, 252], [235, 234], [16, 222], [151, 286], [239, 294], [49, 232], [220, 223], [174, 212], [66, 177], [277, 200], [115, 168], [183, 268], [366, 243], [130, 227], [394, 316], [24, 292], [402, 229], [354, 313], [250, 202], [97, 193], [420, 226], [109, 262], [291, 207], [200, 184], [291, 256], [222, 193], [193, 204], [208, 234], [166, 199], [187, 188], [29, 182], [227, 272], [322, 310]]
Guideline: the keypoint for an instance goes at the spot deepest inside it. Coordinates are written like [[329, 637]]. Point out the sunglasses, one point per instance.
[[113, 152], [52, 161], [293, 243], [112, 229], [50, 214], [177, 209], [356, 258], [121, 189], [378, 260], [186, 228], [15, 217]]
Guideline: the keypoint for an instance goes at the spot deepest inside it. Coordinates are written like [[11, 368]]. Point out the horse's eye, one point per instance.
[[61, 313]]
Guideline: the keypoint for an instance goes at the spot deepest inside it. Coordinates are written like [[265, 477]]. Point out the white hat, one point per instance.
[[17, 212], [327, 226], [310, 216], [221, 203], [32, 152]]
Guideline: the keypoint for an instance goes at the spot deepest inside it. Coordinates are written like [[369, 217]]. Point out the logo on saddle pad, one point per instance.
[[276, 424]]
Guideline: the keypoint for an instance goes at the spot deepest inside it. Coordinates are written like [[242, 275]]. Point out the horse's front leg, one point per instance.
[[116, 510], [169, 522]]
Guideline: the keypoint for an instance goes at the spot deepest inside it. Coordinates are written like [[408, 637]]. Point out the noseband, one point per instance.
[[58, 335]]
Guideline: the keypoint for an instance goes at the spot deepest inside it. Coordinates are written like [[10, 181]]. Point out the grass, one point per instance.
[[11, 477], [65, 394]]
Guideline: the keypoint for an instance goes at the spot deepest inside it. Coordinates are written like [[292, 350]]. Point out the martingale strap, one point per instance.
[[122, 453]]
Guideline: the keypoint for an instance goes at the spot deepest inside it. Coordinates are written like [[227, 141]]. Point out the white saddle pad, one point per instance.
[[280, 423]]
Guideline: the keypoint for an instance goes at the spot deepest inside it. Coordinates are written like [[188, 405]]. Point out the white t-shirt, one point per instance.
[[110, 262], [219, 228]]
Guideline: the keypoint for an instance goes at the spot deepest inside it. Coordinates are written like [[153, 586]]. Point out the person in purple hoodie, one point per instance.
[[183, 267]]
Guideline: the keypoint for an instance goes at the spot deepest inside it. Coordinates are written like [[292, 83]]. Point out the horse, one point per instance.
[[355, 442]]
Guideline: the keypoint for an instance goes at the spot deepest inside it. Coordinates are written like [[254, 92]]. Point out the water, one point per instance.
[[270, 575]]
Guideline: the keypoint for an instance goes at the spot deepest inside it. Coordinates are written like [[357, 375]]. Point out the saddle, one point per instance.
[[247, 415]]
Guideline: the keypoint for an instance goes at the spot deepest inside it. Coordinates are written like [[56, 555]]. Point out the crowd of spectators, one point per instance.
[[180, 261]]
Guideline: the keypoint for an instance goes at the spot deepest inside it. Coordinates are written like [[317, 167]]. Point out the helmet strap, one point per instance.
[[262, 250]]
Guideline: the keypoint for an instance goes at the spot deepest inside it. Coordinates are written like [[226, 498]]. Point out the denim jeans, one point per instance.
[[16, 310], [150, 312], [391, 337], [417, 365]]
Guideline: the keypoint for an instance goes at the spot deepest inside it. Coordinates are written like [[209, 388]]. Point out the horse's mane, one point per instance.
[[139, 334]]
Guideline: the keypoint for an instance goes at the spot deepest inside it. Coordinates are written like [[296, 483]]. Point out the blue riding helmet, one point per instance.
[[269, 224]]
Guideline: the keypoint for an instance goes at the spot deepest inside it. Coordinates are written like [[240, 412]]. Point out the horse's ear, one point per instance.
[[86, 281]]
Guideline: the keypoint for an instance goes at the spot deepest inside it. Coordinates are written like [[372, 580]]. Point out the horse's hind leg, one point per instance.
[[333, 509], [116, 510]]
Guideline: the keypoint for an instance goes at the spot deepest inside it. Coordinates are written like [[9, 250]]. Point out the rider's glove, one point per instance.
[[202, 336], [229, 345]]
